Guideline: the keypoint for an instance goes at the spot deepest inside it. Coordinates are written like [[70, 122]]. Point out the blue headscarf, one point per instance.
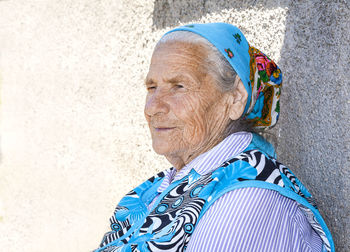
[[260, 75]]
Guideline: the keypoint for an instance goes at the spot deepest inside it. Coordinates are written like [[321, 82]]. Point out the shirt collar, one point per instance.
[[212, 159]]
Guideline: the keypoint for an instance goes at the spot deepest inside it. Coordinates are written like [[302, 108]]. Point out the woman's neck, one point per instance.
[[179, 160]]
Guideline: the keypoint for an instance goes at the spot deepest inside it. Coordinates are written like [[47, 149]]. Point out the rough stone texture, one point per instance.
[[314, 130], [73, 135]]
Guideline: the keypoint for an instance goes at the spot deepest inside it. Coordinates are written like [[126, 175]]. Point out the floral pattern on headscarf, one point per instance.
[[266, 81]]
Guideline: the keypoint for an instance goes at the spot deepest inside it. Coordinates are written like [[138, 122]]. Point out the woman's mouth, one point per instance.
[[163, 129]]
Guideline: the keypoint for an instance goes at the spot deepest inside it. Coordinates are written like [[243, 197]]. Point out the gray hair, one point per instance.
[[217, 66]]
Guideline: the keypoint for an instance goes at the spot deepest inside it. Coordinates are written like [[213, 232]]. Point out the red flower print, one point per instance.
[[229, 53], [270, 68], [261, 61]]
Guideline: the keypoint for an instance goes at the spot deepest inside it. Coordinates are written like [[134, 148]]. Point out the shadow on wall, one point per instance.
[[313, 127], [170, 12]]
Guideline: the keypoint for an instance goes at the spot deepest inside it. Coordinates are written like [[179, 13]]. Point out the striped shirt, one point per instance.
[[246, 219]]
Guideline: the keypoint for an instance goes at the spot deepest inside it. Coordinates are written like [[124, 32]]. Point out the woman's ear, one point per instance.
[[238, 100]]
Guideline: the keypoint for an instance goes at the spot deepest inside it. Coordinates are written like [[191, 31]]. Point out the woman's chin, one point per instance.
[[161, 148]]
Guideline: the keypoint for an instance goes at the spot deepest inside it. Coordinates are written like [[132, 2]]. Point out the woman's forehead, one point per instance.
[[179, 56], [185, 49], [175, 66]]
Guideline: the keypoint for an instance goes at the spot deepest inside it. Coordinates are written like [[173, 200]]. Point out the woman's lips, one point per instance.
[[163, 129]]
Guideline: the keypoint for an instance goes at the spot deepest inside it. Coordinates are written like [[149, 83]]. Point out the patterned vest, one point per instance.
[[169, 224]]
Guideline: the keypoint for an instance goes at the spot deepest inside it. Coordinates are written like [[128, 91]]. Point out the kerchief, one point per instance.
[[261, 76]]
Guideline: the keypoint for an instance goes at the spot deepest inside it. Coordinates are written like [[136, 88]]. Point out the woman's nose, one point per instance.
[[156, 104]]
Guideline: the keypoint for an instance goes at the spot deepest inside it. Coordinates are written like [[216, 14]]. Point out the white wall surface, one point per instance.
[[73, 136]]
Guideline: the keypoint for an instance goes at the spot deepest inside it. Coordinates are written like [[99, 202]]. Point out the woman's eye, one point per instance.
[[177, 86], [150, 88]]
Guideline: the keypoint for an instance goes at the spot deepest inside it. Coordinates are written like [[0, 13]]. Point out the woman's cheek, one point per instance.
[[195, 133], [194, 120]]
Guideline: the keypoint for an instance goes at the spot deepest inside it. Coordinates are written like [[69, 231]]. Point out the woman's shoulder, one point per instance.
[[253, 217], [257, 201]]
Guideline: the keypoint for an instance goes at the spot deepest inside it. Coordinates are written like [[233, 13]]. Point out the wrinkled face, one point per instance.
[[184, 109]]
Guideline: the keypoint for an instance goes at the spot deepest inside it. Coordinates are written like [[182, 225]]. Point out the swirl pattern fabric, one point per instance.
[[169, 225]]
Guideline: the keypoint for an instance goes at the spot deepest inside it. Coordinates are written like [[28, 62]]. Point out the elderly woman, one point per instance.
[[208, 91]]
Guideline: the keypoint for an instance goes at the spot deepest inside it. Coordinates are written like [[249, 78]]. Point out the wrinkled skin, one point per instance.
[[186, 112]]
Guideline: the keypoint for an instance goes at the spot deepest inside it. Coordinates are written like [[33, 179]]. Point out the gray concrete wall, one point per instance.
[[73, 136]]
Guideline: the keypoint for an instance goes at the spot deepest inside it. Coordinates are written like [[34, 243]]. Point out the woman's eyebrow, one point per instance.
[[148, 81], [172, 80], [179, 78], [175, 79]]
